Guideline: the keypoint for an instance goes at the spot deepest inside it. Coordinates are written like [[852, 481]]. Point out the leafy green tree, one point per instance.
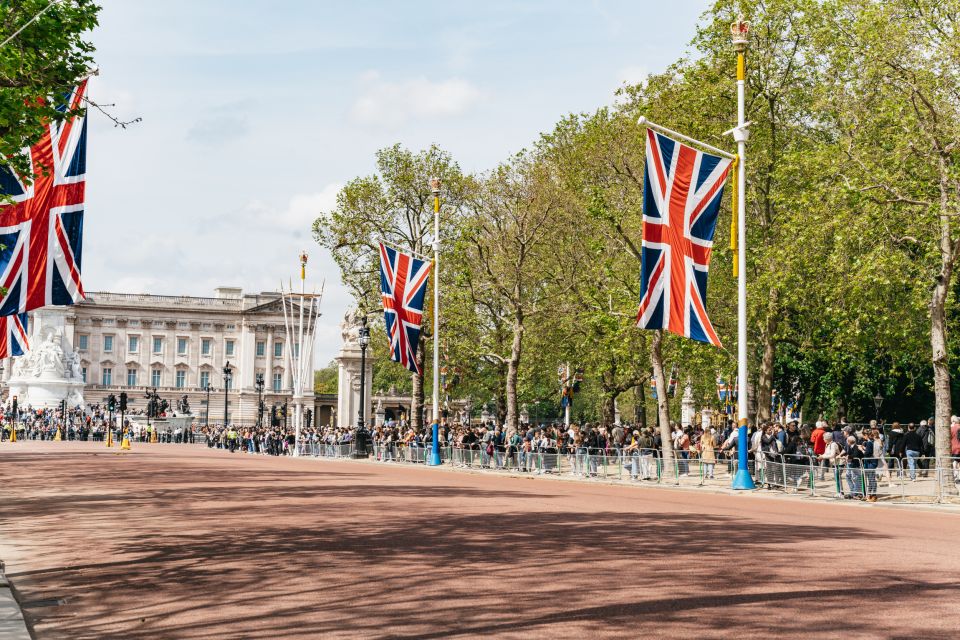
[[890, 95], [48, 57], [394, 206]]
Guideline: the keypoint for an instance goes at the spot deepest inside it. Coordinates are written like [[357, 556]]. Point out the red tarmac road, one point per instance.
[[186, 542]]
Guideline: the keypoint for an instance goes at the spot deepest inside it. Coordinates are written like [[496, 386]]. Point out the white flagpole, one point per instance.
[[743, 479], [435, 187], [643, 122]]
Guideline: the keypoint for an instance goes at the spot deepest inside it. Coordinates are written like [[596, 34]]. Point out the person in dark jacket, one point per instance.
[[929, 449], [913, 449], [870, 463], [854, 454]]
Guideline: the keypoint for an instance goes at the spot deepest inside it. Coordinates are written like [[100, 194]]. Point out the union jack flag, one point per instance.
[[13, 341], [722, 390], [41, 230], [403, 284], [682, 192]]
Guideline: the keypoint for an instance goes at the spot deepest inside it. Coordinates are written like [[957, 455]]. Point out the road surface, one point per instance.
[[171, 541]]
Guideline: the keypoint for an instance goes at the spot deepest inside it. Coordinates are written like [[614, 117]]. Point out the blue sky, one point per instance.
[[255, 112]]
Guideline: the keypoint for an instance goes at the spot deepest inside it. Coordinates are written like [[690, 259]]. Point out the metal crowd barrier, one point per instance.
[[916, 479]]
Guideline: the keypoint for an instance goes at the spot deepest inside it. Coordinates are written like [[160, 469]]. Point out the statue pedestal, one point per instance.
[[348, 387], [687, 406], [50, 372], [41, 393]]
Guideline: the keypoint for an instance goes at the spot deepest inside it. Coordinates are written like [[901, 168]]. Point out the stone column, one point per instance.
[[348, 381], [348, 386], [268, 376], [687, 408]]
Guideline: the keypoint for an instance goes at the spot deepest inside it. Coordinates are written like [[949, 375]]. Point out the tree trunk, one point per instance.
[[656, 358], [608, 411], [938, 327], [640, 406], [416, 400], [764, 397], [513, 367]]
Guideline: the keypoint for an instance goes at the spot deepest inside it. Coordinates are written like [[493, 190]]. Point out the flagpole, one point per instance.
[[739, 33], [435, 448], [643, 122]]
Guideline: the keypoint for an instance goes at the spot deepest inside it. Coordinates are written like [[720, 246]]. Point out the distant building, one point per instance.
[[180, 345]]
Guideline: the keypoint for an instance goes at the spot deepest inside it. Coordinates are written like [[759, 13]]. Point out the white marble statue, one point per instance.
[[350, 327]]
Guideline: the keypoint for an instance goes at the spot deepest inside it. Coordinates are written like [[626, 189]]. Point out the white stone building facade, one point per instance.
[[180, 345]]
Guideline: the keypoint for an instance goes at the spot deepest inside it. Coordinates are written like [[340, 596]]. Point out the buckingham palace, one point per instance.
[[180, 345]]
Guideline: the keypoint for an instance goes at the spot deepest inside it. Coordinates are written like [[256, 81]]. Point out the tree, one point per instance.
[[891, 96], [395, 207], [509, 259], [46, 59]]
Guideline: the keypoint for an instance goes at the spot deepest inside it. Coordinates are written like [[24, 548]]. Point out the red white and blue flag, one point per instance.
[[403, 284], [683, 188], [41, 229], [13, 340]]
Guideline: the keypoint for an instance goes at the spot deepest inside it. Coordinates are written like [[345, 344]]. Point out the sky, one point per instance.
[[255, 113]]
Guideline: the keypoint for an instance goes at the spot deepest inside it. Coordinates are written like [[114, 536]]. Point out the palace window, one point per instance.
[[181, 346], [107, 344], [277, 349], [205, 347], [261, 348], [82, 341], [229, 347], [278, 382], [107, 376], [158, 345], [155, 378], [131, 377], [133, 342], [204, 379], [181, 379]]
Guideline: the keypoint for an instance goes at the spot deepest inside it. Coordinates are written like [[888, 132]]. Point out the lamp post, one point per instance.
[[227, 377], [259, 385], [877, 403], [739, 33], [364, 341], [206, 415], [151, 397]]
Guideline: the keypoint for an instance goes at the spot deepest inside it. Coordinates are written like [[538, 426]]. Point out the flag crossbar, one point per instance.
[[643, 122], [409, 251]]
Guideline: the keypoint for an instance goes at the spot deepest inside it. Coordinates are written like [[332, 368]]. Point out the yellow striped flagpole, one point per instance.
[[739, 33]]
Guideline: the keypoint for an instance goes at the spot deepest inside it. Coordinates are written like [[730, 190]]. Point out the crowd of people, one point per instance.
[[866, 453], [89, 423]]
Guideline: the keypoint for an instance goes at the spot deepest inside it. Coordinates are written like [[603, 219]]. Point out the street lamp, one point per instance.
[[364, 340], [206, 415], [227, 377], [877, 403], [152, 404], [259, 385]]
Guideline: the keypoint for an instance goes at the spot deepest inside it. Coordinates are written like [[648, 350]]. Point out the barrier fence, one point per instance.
[[888, 479]]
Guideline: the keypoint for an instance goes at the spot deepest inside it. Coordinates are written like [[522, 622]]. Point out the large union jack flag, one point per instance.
[[41, 231], [682, 192], [403, 284], [13, 340]]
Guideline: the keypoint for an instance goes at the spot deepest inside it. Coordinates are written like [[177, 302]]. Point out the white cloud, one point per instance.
[[255, 247], [390, 104]]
